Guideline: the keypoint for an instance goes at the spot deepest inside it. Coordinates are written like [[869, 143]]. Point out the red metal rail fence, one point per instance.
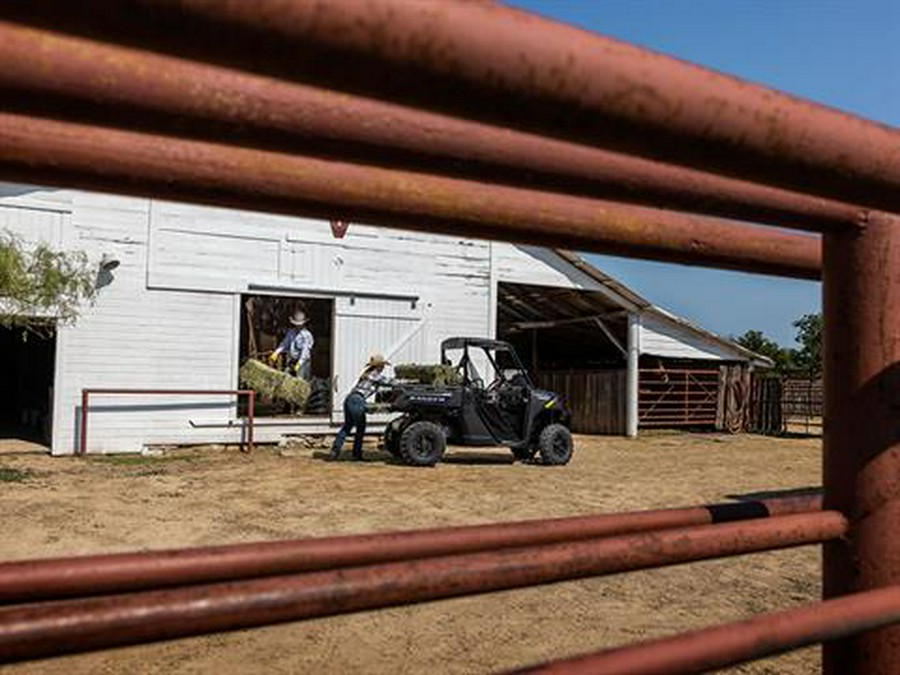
[[246, 442], [802, 403], [472, 119], [678, 397]]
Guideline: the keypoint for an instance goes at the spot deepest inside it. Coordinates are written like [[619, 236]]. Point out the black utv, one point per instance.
[[484, 398]]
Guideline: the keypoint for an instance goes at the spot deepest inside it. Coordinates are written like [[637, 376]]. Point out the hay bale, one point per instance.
[[273, 384], [435, 374]]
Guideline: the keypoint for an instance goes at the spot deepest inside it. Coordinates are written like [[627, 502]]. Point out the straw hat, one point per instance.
[[298, 318], [377, 361]]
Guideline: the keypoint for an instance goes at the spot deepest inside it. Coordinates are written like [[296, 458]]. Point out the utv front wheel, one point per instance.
[[422, 444], [555, 444]]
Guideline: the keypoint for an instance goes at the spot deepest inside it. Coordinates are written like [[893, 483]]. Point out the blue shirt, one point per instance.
[[298, 344]]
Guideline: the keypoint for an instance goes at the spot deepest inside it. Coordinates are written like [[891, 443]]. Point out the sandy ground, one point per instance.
[[55, 506]]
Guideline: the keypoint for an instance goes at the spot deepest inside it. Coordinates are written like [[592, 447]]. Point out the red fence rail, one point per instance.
[[70, 626], [87, 393], [678, 397], [33, 580]]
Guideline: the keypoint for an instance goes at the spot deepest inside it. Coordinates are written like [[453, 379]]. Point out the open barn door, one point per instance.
[[393, 327]]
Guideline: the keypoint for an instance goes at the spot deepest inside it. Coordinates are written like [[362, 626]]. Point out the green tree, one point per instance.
[[38, 283], [756, 341], [809, 336]]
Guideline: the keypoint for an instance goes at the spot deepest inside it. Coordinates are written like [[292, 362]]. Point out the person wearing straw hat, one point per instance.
[[297, 346], [370, 380]]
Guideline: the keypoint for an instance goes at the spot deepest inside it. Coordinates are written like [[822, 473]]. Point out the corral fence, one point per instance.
[[710, 397], [714, 397], [786, 405], [472, 119], [678, 397]]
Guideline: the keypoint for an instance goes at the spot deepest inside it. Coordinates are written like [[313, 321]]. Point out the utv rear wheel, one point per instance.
[[555, 444], [422, 444]]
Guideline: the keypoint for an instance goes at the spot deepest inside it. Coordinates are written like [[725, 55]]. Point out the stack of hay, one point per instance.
[[273, 384], [438, 374]]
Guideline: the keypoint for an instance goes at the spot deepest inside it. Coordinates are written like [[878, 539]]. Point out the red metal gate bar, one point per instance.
[[718, 647], [249, 393], [62, 75], [32, 580], [483, 60], [861, 356], [69, 626], [44, 151]]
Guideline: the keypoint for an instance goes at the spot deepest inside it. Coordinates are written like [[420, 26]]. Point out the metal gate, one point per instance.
[[678, 397]]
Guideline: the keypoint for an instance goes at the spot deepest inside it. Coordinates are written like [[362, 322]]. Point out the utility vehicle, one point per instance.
[[490, 402]]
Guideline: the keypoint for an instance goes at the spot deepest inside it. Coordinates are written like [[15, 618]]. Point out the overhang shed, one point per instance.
[[621, 361]]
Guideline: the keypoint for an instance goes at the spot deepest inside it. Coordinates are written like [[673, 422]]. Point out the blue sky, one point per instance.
[[839, 52]]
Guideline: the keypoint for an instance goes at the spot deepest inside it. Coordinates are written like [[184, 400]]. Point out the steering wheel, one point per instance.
[[494, 386]]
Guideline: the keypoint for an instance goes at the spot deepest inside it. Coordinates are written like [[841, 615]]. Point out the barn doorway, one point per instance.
[[265, 319], [26, 397]]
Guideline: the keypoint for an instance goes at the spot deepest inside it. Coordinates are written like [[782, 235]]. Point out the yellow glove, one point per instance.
[[273, 358], [296, 368]]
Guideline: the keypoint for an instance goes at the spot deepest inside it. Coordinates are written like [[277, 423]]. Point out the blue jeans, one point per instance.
[[304, 371], [354, 416]]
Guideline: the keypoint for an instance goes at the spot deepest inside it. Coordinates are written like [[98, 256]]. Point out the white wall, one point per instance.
[[135, 337], [431, 287], [660, 337]]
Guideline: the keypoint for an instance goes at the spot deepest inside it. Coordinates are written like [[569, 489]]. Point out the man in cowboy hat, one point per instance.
[[297, 345], [355, 405]]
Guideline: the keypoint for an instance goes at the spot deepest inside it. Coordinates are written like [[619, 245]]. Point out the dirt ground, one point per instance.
[[56, 506]]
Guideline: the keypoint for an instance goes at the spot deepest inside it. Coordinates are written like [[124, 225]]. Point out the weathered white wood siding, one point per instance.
[[660, 337], [170, 318], [396, 292], [538, 266], [364, 326], [132, 336]]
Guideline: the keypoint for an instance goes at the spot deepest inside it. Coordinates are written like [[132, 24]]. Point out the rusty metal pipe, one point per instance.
[[709, 649], [85, 405], [485, 61], [861, 356], [53, 152], [32, 580], [67, 626], [88, 80]]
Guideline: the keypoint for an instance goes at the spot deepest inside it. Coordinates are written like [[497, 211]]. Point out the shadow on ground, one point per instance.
[[773, 494]]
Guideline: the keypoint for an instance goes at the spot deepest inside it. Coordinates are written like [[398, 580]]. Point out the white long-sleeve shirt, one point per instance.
[[297, 344]]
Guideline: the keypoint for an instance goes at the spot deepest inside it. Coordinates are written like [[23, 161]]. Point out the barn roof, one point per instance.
[[646, 307]]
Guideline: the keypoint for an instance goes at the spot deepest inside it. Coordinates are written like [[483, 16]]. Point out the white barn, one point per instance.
[[171, 316]]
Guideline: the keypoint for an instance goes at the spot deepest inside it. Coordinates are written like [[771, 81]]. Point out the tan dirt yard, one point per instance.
[[58, 506]]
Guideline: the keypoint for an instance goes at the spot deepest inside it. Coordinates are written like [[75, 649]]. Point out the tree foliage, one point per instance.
[[756, 341], [807, 359], [809, 336], [38, 283]]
